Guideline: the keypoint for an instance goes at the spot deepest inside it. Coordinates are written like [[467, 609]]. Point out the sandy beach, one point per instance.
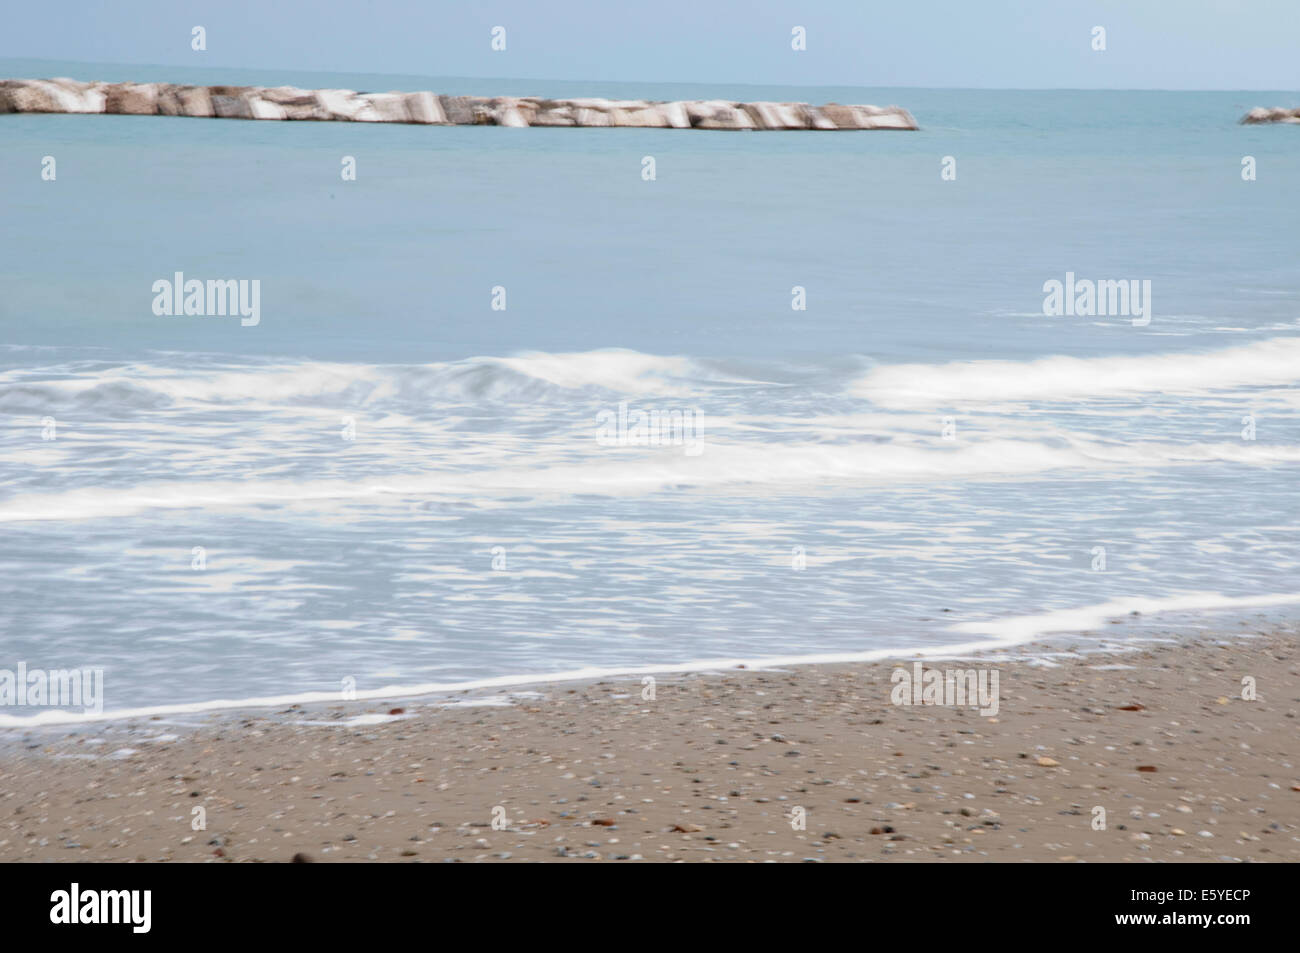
[[717, 767]]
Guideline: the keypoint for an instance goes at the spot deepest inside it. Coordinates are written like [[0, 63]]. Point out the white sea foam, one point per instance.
[[1023, 628], [1002, 633], [1275, 362], [779, 467], [446, 456], [520, 377]]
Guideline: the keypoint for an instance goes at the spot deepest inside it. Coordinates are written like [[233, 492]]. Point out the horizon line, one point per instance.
[[527, 79]]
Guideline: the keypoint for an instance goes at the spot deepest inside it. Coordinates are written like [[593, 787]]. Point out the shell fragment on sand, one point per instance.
[[424, 108]]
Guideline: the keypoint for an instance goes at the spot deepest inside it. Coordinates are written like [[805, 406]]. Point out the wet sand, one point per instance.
[[717, 767]]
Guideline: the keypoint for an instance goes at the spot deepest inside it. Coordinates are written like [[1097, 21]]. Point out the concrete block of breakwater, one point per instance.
[[195, 101], [1263, 114], [644, 117], [294, 103], [131, 99], [425, 108], [818, 119], [230, 104], [868, 117], [676, 115], [463, 110], [717, 114], [511, 112], [388, 107], [79, 97], [346, 106], [552, 113], [260, 108], [890, 117], [777, 115], [50, 96], [585, 116], [22, 96], [169, 101]]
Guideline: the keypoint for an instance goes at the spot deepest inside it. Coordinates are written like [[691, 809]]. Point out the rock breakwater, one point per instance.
[[426, 108], [1261, 114]]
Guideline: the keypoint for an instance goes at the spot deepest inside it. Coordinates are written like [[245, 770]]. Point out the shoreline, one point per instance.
[[711, 768], [1075, 625]]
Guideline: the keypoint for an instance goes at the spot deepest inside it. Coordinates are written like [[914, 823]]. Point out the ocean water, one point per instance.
[[391, 482]]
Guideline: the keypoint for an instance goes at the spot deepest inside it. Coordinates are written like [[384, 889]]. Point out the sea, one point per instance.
[[520, 403]]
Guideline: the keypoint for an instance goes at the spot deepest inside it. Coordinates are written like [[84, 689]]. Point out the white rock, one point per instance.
[[195, 101], [1276, 114], [346, 105], [717, 114], [590, 103], [389, 107], [675, 115], [136, 99], [817, 119], [424, 107], [232, 107], [776, 115], [555, 115], [461, 110], [289, 102], [73, 96], [893, 118], [286, 95], [509, 114], [259, 108], [647, 118], [592, 117], [298, 104]]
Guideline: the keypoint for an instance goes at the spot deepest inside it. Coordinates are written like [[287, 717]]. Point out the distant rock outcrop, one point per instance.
[[1276, 114], [345, 105]]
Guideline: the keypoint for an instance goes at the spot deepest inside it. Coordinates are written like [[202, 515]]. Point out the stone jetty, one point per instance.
[[1277, 114], [346, 105]]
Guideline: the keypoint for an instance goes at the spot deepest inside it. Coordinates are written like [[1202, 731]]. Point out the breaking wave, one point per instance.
[[1271, 363]]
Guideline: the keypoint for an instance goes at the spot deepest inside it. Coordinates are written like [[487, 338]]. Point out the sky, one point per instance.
[[1036, 44]]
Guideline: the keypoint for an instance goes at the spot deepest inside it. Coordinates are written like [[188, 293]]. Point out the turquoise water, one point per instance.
[[825, 431]]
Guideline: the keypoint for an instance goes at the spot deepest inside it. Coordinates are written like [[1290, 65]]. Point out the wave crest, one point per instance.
[[1275, 362]]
